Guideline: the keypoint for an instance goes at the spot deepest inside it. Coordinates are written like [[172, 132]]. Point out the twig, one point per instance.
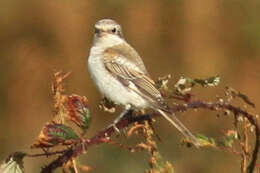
[[78, 149], [98, 139], [46, 154], [244, 146]]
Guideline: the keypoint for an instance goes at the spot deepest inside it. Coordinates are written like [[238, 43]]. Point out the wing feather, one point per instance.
[[127, 71]]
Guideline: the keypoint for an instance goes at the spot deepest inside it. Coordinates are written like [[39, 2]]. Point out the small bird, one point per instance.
[[120, 75]]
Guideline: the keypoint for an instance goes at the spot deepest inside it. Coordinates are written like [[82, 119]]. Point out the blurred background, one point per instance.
[[179, 37]]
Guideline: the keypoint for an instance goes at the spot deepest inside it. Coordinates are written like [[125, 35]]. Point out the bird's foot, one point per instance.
[[114, 127]]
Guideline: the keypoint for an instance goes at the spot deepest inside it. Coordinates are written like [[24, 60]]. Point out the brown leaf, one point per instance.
[[78, 111]]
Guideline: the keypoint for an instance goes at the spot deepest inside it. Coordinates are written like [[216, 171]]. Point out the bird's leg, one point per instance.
[[125, 113]]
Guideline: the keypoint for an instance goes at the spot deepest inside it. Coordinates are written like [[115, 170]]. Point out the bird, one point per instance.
[[121, 76]]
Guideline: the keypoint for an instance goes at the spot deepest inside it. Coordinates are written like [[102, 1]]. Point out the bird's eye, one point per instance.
[[114, 30]]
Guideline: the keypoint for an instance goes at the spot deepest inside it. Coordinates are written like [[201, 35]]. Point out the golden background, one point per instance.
[[181, 37]]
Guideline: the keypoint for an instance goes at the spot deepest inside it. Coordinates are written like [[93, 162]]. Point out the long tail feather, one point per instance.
[[178, 124]]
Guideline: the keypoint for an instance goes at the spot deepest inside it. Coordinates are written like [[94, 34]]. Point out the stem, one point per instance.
[[78, 147]]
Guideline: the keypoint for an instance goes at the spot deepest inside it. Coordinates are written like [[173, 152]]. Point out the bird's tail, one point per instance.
[[178, 124]]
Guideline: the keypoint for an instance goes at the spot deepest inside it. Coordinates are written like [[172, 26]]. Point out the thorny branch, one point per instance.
[[74, 108], [78, 148]]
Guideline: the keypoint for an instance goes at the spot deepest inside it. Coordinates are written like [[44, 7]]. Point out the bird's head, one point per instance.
[[107, 27]]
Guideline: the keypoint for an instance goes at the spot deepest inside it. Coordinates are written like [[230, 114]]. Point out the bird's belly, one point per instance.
[[112, 88]]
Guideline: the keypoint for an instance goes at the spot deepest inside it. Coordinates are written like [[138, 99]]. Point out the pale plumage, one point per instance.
[[121, 76]]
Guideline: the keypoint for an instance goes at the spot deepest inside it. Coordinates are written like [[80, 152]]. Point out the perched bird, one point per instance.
[[120, 75]]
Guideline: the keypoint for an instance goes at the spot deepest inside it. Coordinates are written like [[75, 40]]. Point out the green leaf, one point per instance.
[[86, 119], [78, 111], [229, 138], [211, 81], [206, 141], [53, 134], [62, 132]]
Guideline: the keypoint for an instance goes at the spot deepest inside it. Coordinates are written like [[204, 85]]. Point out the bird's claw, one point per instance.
[[115, 128]]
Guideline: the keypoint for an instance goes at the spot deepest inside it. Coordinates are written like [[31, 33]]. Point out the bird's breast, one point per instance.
[[108, 85]]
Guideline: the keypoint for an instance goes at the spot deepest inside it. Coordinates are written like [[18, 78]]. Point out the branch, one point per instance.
[[236, 111], [80, 146], [46, 154], [98, 139]]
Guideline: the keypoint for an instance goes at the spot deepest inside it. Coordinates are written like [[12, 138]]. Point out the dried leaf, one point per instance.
[[78, 111], [85, 168], [162, 82], [107, 105], [59, 96], [184, 85], [159, 165], [13, 164], [181, 86]]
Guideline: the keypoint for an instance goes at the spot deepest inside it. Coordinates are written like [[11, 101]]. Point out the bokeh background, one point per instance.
[[180, 37]]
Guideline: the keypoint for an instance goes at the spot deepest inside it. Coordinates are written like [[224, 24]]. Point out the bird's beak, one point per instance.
[[99, 33]]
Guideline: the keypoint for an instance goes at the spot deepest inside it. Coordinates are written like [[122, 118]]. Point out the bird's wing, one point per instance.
[[133, 75], [125, 51], [127, 66]]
